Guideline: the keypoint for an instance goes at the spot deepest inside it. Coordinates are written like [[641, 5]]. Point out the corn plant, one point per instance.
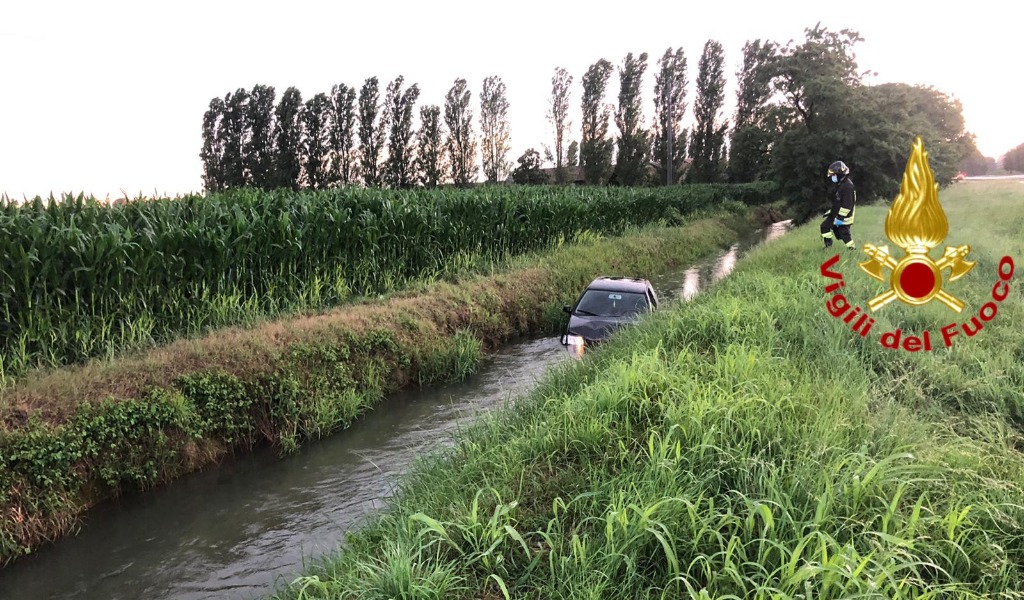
[[81, 279]]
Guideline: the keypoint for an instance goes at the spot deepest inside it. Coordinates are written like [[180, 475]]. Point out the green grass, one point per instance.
[[744, 445]]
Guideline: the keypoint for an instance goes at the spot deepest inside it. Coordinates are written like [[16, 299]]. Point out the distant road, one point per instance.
[[986, 177]]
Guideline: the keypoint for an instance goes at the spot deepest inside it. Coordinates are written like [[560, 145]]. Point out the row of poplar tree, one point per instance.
[[346, 138], [799, 107]]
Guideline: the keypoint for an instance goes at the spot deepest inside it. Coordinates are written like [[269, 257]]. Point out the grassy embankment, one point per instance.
[[745, 445], [81, 434]]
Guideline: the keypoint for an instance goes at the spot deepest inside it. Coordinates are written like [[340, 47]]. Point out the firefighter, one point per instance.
[[844, 200]]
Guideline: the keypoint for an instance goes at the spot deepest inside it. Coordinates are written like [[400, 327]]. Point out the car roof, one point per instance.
[[620, 284]]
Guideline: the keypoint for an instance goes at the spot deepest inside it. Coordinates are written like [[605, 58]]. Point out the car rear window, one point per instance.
[[602, 303]]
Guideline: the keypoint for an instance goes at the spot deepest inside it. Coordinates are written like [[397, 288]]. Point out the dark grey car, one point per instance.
[[607, 304]]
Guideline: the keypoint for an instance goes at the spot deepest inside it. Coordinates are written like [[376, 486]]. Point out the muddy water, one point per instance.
[[234, 531]]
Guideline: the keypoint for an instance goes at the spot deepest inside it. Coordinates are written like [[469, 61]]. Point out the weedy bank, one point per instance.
[[743, 445], [84, 433]]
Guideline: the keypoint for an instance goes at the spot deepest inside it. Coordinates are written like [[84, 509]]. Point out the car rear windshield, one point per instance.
[[602, 303]]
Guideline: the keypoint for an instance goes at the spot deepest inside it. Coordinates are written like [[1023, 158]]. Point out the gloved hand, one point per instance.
[[840, 222]]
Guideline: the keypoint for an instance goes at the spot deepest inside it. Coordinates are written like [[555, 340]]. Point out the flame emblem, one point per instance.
[[916, 223]]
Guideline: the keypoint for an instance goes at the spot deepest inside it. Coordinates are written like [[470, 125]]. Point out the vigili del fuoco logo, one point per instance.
[[916, 224]]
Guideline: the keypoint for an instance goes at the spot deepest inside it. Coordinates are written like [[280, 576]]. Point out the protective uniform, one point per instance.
[[844, 202]]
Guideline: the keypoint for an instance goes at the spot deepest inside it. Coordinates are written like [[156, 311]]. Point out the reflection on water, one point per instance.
[[777, 229], [691, 283], [725, 263], [230, 531]]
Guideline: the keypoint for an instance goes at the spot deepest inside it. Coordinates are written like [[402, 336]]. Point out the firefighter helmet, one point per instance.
[[839, 169]]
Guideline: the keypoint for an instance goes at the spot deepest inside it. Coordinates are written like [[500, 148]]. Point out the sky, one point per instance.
[[107, 97]]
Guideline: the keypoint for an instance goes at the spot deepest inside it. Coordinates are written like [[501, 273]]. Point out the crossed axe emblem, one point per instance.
[[916, 279]]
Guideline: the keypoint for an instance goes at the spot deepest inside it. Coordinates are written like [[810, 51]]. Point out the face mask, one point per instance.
[[835, 179]]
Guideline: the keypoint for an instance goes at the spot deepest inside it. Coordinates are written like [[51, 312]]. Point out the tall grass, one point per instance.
[[80, 279], [746, 445]]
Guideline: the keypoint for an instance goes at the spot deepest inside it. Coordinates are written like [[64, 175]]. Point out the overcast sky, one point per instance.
[[99, 96]]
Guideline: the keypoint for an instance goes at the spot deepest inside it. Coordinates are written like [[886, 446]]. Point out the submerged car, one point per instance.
[[607, 304]]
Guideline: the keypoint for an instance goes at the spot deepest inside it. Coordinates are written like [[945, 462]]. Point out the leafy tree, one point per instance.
[[1014, 160], [398, 106], [558, 116], [572, 157], [232, 132], [817, 74], [816, 80], [893, 115], [288, 140], [343, 121], [596, 147], [755, 126], [458, 116], [371, 132], [707, 144], [431, 164], [630, 168], [828, 115], [212, 153], [669, 144], [494, 130], [819, 115], [529, 171], [258, 142], [316, 129], [975, 164]]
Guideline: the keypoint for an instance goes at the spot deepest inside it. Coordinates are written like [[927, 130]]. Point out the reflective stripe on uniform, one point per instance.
[[849, 244], [843, 212], [827, 235]]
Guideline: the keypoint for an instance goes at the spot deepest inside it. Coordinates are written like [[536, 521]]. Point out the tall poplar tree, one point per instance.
[[630, 166], [432, 167], [316, 141], [212, 153], [752, 132], [288, 140], [494, 130], [371, 132], [258, 143], [707, 144], [558, 116], [343, 123], [232, 132], [458, 116], [596, 148], [398, 108], [669, 147]]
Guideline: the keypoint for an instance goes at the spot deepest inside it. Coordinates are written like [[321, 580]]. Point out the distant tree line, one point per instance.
[[798, 108], [1014, 160], [251, 139]]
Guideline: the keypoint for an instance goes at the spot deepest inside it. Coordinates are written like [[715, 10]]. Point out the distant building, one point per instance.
[[575, 175]]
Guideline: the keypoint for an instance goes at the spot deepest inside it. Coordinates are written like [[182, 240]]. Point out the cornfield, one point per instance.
[[81, 279]]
